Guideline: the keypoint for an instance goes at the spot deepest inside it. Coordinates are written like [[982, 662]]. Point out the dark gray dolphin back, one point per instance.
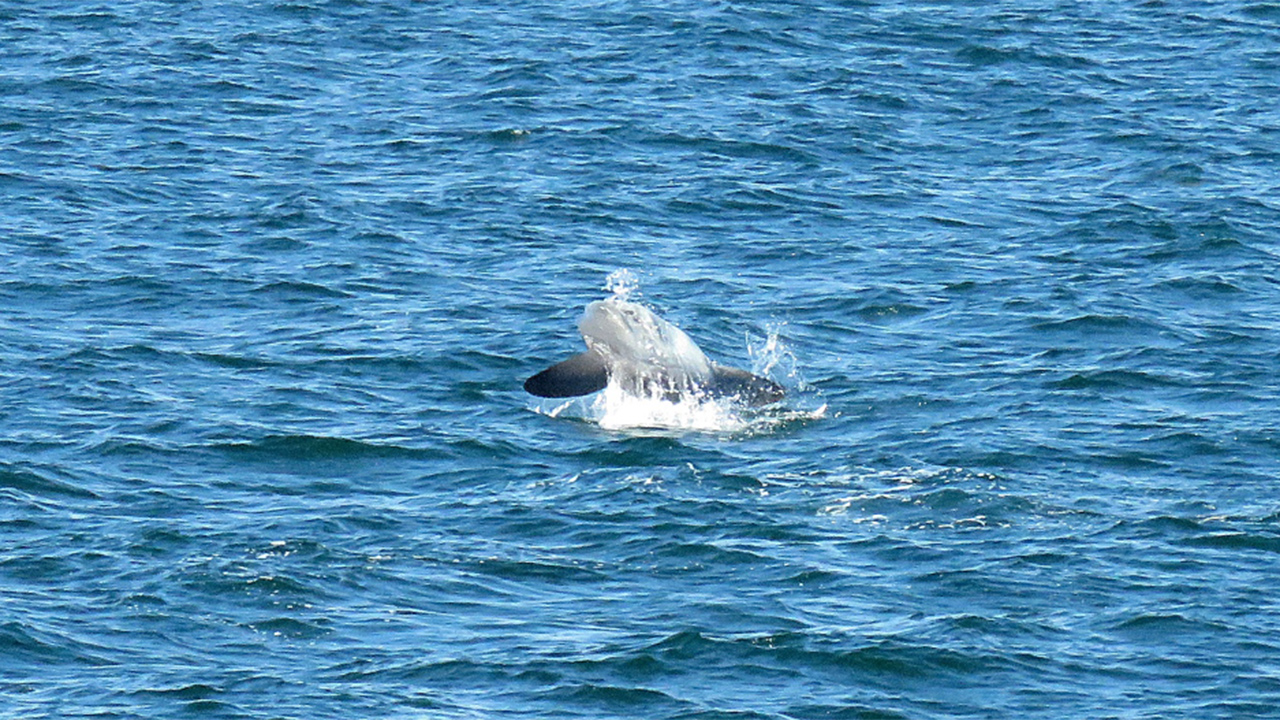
[[743, 386], [581, 374]]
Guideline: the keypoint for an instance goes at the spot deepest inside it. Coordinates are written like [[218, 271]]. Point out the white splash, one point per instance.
[[615, 409], [773, 357], [622, 283]]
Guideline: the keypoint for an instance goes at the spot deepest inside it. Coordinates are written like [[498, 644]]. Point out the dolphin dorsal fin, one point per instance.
[[581, 374]]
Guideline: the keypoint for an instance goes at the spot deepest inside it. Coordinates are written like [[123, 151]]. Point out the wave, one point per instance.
[[22, 644], [40, 485], [320, 447], [1115, 379]]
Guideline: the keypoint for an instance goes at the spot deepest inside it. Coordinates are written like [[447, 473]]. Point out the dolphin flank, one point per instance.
[[647, 357]]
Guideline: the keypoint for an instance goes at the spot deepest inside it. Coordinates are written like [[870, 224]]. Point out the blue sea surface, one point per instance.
[[273, 274]]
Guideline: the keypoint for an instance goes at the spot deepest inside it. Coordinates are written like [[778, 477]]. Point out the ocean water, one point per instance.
[[274, 272]]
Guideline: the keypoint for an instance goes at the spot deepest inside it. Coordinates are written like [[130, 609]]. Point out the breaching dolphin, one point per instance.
[[645, 356]]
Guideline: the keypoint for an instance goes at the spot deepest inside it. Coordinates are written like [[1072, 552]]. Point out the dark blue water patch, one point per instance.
[[1094, 329], [34, 484], [291, 628], [1204, 288], [985, 55], [614, 700], [319, 449], [1262, 10], [27, 648], [196, 691], [1113, 379], [1264, 542]]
